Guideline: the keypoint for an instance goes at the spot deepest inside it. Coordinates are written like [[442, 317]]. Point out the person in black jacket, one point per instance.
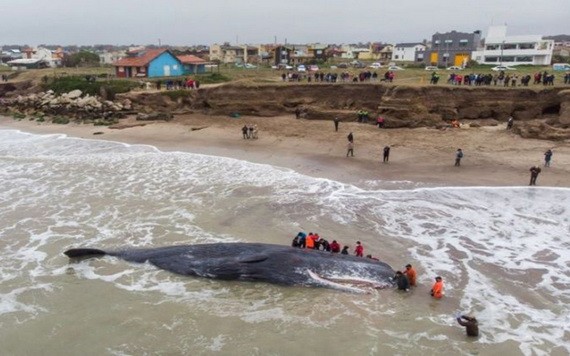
[[471, 325], [402, 281]]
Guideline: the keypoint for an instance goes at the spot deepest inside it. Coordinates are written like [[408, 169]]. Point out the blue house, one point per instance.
[[149, 63]]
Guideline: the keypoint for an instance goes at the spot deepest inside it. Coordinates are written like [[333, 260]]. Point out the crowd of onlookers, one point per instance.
[[500, 79], [363, 76]]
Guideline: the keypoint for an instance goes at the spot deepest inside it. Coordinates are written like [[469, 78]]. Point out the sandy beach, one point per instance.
[[493, 155]]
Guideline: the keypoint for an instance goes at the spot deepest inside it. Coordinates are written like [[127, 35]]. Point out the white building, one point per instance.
[[409, 52], [111, 57], [512, 50]]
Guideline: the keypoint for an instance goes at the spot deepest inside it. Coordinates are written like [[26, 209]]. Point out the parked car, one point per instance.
[[431, 68], [454, 68], [395, 68], [314, 68], [375, 65], [301, 68], [343, 65], [282, 66], [561, 66], [502, 68], [249, 66]]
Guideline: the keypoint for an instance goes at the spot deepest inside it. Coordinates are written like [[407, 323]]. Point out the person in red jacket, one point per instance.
[[359, 250], [335, 247], [437, 289]]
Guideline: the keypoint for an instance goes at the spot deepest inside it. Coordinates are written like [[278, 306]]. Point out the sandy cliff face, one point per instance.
[[402, 106]]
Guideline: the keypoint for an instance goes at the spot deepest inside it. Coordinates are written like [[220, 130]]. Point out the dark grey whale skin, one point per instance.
[[256, 262]]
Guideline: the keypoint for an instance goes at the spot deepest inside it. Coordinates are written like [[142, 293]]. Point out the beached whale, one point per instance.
[[259, 262]]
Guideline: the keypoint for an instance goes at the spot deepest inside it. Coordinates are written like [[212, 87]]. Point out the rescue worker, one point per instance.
[[359, 250], [310, 241], [437, 289], [402, 281], [410, 272], [335, 247], [471, 325]]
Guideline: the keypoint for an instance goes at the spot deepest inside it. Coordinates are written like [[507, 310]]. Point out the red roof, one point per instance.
[[190, 59], [142, 59]]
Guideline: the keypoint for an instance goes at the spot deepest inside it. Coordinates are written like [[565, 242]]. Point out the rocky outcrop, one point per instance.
[[71, 104]]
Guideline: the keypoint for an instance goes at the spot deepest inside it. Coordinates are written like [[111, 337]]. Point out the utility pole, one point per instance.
[[159, 43]]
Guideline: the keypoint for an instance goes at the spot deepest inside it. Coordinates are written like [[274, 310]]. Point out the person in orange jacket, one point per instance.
[[310, 241], [410, 272], [437, 289]]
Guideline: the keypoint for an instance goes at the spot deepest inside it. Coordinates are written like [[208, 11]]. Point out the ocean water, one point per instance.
[[504, 255]]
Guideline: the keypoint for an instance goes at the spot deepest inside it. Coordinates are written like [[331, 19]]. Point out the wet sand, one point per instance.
[[493, 155]]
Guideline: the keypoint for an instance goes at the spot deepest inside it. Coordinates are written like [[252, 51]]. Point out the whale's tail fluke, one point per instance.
[[84, 253]]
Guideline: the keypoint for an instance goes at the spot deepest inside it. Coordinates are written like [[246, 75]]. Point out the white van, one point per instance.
[[561, 66]]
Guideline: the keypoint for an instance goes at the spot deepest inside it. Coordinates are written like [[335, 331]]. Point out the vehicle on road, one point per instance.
[[301, 68], [502, 68], [313, 68], [375, 65], [282, 66], [561, 66]]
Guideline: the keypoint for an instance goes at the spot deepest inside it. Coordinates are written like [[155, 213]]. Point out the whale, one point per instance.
[[258, 262]]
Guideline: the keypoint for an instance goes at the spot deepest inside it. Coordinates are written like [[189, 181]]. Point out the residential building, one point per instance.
[[192, 64], [408, 52], [111, 57], [234, 54], [513, 50], [452, 48], [282, 55], [385, 55], [149, 63]]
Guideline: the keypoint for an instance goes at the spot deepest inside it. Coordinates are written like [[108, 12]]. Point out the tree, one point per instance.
[[81, 59]]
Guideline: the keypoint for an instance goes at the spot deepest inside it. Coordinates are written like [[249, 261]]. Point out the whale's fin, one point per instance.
[[84, 253]]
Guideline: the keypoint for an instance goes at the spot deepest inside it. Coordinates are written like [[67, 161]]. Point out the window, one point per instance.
[[448, 41], [509, 46], [121, 69], [437, 42], [396, 57], [526, 59], [491, 59], [508, 59], [175, 67], [526, 45], [463, 43], [492, 47]]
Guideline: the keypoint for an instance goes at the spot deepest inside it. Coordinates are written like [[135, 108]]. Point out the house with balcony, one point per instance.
[[238, 54], [452, 48], [500, 49], [408, 52]]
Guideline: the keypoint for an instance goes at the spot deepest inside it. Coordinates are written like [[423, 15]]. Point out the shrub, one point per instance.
[[60, 120], [175, 94], [67, 84]]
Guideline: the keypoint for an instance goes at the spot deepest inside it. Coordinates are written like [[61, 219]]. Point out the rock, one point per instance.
[[74, 94], [155, 116]]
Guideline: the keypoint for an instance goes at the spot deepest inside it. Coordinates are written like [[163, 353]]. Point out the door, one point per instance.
[[166, 70], [433, 58], [461, 59]]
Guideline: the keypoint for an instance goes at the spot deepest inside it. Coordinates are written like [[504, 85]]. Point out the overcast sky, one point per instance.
[[188, 22]]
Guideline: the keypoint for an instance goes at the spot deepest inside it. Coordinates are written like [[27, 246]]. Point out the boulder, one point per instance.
[[74, 94]]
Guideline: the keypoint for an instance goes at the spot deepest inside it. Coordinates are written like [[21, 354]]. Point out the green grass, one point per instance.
[[67, 84], [175, 94]]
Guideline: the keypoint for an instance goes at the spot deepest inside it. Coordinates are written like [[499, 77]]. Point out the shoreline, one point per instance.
[[419, 157]]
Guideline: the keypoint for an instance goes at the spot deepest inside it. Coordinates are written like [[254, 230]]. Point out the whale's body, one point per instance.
[[259, 262]]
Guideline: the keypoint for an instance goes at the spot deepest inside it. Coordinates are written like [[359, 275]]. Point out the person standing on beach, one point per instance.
[[350, 149], [458, 157], [510, 122], [534, 171], [297, 113], [386, 154], [437, 289], [250, 133], [344, 250], [402, 281], [336, 121], [547, 158], [350, 137], [244, 131]]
